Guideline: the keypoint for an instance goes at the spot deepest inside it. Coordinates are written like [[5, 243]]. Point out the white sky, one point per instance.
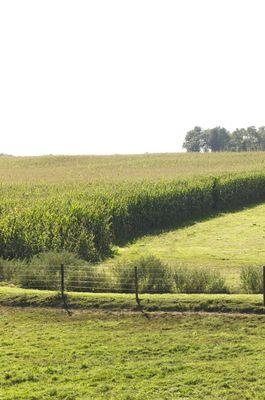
[[102, 77]]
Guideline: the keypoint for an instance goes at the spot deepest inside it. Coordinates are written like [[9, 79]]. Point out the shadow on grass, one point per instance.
[[183, 224]]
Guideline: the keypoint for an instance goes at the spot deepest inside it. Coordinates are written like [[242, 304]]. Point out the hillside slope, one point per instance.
[[226, 243]]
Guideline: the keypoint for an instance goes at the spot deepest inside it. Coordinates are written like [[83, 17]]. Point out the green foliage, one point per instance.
[[153, 276], [88, 220], [41, 272], [194, 140], [219, 139], [10, 270], [251, 279], [88, 278], [55, 225], [140, 209], [55, 259], [198, 280], [235, 191]]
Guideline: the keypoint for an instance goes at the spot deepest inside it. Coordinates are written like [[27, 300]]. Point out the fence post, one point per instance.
[[263, 270], [62, 280], [136, 287]]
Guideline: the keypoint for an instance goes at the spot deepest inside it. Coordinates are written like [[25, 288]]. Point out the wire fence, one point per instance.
[[72, 278], [75, 279], [125, 279], [111, 279]]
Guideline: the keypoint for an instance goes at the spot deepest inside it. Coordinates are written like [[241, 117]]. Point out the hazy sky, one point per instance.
[[102, 77]]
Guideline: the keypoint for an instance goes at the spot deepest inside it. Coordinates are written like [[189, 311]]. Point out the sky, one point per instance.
[[109, 76]]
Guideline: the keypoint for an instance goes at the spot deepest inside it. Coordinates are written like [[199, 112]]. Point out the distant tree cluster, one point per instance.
[[219, 139]]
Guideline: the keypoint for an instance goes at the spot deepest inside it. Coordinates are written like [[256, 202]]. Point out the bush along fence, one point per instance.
[[133, 279], [145, 275]]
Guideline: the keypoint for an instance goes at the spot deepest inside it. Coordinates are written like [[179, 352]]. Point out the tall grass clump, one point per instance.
[[43, 270], [10, 271], [251, 279], [153, 276], [198, 280]]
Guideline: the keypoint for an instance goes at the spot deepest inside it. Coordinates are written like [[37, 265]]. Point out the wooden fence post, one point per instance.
[[62, 280], [263, 273], [136, 287]]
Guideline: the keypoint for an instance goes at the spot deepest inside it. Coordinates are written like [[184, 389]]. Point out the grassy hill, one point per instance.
[[225, 243], [87, 169]]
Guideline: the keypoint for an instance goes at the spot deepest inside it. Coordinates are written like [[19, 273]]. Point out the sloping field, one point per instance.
[[47, 355], [87, 169], [225, 243]]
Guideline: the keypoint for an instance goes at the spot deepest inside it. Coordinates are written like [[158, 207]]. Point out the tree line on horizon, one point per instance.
[[220, 139]]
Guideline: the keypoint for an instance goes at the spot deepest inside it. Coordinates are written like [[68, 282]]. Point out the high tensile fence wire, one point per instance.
[[94, 279], [263, 282], [72, 279]]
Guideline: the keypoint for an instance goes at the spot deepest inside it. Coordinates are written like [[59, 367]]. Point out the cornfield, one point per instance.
[[88, 219]]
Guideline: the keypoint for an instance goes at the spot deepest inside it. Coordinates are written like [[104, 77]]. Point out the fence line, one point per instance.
[[121, 279]]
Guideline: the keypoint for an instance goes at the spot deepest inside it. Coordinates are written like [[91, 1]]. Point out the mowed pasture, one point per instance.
[[45, 354], [225, 243]]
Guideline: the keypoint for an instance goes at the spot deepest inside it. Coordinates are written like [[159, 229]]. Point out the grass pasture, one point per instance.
[[222, 303], [45, 354], [225, 243]]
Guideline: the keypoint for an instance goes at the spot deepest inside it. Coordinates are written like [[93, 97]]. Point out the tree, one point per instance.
[[249, 139], [194, 140], [217, 139], [261, 134], [238, 140], [252, 139]]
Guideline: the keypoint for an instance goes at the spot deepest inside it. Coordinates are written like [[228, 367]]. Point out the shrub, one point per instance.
[[43, 271], [251, 279], [10, 270], [87, 278], [156, 277], [198, 280], [153, 276]]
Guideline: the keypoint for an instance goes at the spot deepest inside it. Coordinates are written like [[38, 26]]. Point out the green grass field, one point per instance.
[[225, 243], [223, 303], [45, 354]]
